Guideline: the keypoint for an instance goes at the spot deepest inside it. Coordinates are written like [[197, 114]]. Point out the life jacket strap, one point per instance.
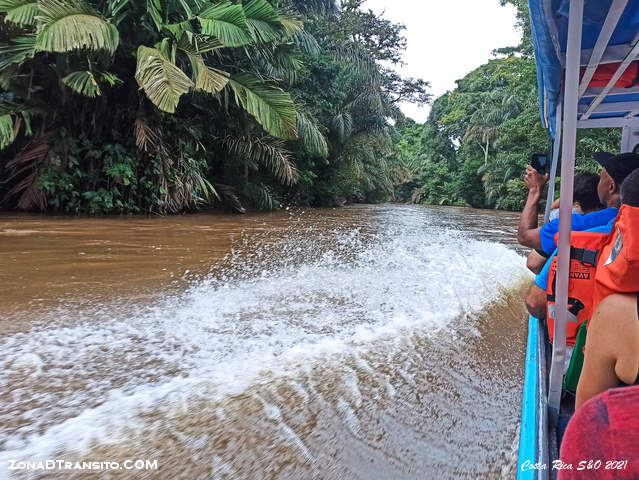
[[585, 256]]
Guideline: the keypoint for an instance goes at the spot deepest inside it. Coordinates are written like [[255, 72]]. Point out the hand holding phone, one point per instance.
[[539, 162]]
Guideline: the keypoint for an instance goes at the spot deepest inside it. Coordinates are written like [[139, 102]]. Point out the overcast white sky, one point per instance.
[[448, 39]]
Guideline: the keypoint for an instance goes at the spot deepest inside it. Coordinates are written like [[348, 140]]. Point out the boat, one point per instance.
[[588, 77]]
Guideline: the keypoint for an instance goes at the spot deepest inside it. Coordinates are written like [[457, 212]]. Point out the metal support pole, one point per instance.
[[626, 139], [555, 162], [571, 98], [629, 137]]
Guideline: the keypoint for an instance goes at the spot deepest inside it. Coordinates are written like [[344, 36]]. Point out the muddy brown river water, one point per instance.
[[370, 342]]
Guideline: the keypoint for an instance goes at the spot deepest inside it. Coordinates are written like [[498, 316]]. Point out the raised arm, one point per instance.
[[528, 230]]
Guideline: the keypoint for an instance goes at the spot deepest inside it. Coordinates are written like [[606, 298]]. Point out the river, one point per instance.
[[369, 342]]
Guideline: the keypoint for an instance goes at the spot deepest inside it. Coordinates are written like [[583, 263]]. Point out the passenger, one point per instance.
[[585, 196], [586, 200], [605, 429], [608, 191], [612, 347], [615, 169]]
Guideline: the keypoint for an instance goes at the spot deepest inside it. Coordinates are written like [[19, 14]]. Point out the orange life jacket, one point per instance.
[[618, 264], [584, 252]]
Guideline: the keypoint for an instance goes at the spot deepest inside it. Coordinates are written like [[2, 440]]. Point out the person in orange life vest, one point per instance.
[[611, 357], [620, 166], [615, 169], [585, 200]]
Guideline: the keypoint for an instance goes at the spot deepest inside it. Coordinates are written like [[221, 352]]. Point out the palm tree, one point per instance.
[[188, 36], [486, 124], [214, 54]]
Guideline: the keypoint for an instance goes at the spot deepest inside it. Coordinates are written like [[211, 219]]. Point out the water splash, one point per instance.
[[270, 309]]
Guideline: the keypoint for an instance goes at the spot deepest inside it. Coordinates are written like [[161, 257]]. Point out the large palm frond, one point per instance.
[[29, 161], [16, 52], [197, 44], [206, 78], [310, 135], [290, 22], [73, 25], [271, 106], [84, 83], [259, 195], [342, 126], [20, 12], [7, 131], [163, 82], [266, 151], [307, 43], [210, 79], [227, 22], [263, 21]]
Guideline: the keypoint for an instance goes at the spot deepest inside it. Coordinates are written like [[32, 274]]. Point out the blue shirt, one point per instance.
[[580, 223], [541, 280]]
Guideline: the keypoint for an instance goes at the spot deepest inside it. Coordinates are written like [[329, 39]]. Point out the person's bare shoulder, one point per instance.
[[615, 325], [619, 308]]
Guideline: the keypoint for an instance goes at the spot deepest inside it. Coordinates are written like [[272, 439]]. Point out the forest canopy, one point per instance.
[[129, 106], [479, 137], [113, 106]]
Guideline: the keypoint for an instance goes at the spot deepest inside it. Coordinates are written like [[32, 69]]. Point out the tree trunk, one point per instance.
[[485, 149]]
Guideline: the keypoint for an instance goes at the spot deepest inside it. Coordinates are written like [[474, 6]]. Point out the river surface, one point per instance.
[[369, 342]]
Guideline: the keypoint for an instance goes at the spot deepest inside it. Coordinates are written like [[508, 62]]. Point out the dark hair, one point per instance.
[[630, 190], [586, 192]]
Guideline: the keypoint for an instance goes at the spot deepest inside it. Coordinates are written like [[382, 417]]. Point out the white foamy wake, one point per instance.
[[89, 376]]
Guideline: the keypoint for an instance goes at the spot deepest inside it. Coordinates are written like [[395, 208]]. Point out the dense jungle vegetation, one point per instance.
[[165, 106], [478, 138]]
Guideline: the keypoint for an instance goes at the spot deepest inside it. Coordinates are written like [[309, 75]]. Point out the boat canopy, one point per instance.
[[609, 74]]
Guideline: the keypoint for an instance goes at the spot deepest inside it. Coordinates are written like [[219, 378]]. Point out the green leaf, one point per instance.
[[206, 78], [187, 9], [306, 43], [20, 12], [163, 82], [20, 49], [83, 83], [115, 6], [7, 132], [177, 29], [265, 151], [73, 25], [110, 78], [198, 44], [310, 135], [290, 22], [154, 12], [227, 22], [263, 21], [210, 79], [271, 106]]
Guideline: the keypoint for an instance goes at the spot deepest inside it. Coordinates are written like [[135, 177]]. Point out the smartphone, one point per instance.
[[539, 162]]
